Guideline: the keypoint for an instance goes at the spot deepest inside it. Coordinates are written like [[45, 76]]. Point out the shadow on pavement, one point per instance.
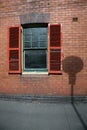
[[80, 117], [73, 65], [2, 127]]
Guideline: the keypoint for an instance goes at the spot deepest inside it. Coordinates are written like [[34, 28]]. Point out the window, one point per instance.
[[41, 49], [35, 48]]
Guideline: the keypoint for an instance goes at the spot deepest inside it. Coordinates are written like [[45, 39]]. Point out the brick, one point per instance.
[[74, 42]]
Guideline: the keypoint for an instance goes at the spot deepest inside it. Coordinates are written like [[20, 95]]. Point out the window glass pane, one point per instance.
[[35, 59], [27, 38], [35, 37], [27, 44], [43, 37]]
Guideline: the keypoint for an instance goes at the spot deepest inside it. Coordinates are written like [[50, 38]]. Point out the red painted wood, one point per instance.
[[14, 50], [54, 48]]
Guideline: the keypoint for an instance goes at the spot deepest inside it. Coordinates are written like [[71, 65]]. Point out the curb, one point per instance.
[[43, 99]]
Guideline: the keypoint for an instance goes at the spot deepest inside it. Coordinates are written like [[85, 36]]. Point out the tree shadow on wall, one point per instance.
[[73, 65]]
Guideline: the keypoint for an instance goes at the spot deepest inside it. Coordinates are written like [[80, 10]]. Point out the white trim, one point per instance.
[[22, 47], [35, 72]]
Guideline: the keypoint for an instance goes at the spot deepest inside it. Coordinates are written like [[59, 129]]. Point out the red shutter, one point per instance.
[[14, 50], [54, 48]]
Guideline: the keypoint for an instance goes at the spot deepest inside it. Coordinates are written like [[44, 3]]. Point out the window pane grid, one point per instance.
[[37, 38], [35, 49], [35, 59]]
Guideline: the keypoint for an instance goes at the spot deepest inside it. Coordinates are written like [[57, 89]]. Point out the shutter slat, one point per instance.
[[55, 60], [54, 49], [14, 37], [14, 66], [55, 35], [14, 50]]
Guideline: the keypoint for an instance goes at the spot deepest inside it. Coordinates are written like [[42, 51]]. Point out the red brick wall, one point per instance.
[[74, 43]]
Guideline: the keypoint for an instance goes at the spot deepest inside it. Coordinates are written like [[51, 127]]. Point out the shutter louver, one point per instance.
[[54, 49], [14, 50]]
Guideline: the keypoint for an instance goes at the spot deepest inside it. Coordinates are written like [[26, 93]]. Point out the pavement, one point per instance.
[[42, 116]]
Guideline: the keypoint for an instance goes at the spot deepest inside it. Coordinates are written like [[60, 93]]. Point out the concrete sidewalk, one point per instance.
[[42, 116]]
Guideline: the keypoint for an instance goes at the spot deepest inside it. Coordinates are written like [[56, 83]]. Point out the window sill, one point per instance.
[[34, 74]]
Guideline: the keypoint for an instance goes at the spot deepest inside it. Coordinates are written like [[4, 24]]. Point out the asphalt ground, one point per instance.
[[42, 116]]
